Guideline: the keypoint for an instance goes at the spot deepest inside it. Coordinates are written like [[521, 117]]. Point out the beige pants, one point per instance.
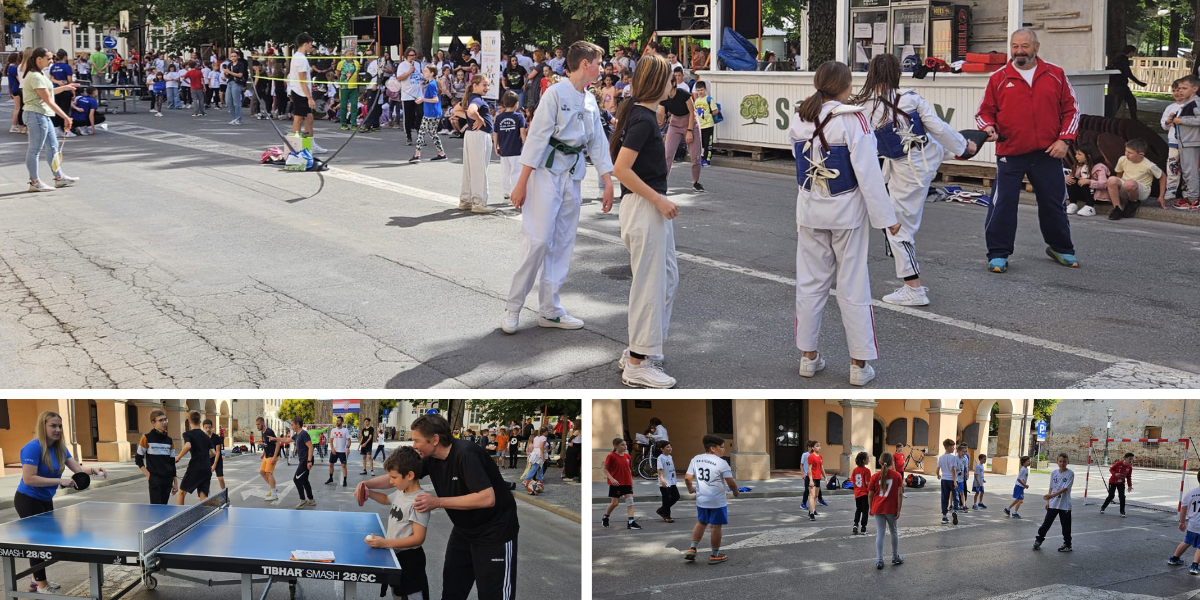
[[650, 239], [477, 153]]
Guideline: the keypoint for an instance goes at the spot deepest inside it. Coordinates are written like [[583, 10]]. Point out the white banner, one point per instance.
[[489, 61]]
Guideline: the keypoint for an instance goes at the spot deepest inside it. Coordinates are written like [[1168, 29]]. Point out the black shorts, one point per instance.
[[336, 456], [196, 481], [299, 105], [412, 578], [366, 449], [220, 472], [616, 491]]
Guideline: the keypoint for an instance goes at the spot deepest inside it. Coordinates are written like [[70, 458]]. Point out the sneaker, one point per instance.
[[312, 501], [343, 482], [40, 186], [1086, 211], [1007, 512], [689, 554], [821, 501], [1174, 561], [1102, 511], [481, 209], [633, 525], [508, 324], [696, 187], [704, 163], [1131, 209], [646, 375], [1066, 260], [896, 560], [604, 522], [954, 518], [1182, 204], [1072, 208], [945, 519], [14, 129], [804, 505], [158, 114], [810, 367], [302, 504], [1016, 516], [364, 472], [1064, 548], [234, 122], [1122, 515], [879, 565], [563, 322], [317, 149], [982, 505], [438, 157], [720, 558], [71, 134], [65, 181], [854, 531], [464, 205], [1194, 569], [621, 362], [1037, 545], [812, 516], [270, 497], [1116, 214], [974, 507], [329, 481], [861, 375], [415, 159], [998, 265], [907, 295]]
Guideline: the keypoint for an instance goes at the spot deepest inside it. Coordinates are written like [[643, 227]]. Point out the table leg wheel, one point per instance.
[[151, 582]]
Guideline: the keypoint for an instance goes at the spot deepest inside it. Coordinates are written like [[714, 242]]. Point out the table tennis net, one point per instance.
[[161, 534]]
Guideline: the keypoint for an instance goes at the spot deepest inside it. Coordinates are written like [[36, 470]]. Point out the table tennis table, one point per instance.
[[209, 536]]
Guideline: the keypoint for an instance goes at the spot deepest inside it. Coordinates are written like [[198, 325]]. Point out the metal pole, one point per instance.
[[1107, 434], [1024, 426]]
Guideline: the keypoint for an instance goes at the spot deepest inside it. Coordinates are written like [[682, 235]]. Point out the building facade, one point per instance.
[[766, 438], [1076, 422]]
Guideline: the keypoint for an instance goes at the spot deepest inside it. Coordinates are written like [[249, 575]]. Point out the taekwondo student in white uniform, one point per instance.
[[553, 166], [841, 189], [912, 140]]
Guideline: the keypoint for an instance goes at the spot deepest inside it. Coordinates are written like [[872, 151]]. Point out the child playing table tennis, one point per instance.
[[406, 526]]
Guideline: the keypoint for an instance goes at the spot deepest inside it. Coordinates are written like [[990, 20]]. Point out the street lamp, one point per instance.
[[1162, 12], [1107, 434]]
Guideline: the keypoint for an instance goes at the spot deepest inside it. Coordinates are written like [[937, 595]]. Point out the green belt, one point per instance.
[[560, 146]]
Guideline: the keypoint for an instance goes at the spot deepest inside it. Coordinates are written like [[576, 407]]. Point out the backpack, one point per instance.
[[915, 481], [714, 109], [847, 485], [833, 483]]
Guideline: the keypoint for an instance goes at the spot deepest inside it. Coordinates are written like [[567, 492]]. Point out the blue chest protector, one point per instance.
[[830, 170], [898, 136]]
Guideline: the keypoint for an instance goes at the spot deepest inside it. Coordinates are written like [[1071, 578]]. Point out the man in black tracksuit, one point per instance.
[[156, 458], [1118, 85]]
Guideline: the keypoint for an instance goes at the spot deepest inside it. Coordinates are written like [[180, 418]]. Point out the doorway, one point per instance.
[[94, 421], [788, 433], [876, 439]]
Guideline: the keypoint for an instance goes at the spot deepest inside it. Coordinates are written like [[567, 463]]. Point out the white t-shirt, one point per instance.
[[964, 465], [947, 463], [979, 472], [339, 439], [299, 66], [1060, 480], [1027, 75], [1024, 475], [666, 466], [804, 464], [172, 78], [709, 472], [402, 505], [660, 434], [1191, 503]]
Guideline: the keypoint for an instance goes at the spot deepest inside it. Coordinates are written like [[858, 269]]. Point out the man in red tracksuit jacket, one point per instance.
[[1029, 108], [1122, 475]]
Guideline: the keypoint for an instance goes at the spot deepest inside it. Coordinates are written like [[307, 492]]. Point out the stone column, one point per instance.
[[858, 420], [1008, 445], [984, 426], [112, 445], [943, 425], [750, 458], [606, 425], [176, 416]]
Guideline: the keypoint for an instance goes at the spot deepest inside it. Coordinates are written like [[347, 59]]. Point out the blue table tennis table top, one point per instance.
[[250, 535]]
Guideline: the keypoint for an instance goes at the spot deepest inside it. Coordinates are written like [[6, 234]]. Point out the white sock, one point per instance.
[[275, 491]]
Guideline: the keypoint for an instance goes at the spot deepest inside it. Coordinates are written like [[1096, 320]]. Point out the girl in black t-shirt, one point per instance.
[[639, 162], [513, 78]]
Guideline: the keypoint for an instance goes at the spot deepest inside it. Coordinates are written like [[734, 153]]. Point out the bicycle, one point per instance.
[[647, 463]]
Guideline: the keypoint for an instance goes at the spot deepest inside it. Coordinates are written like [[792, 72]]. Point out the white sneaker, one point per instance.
[[861, 375], [104, 126], [317, 149], [158, 114], [1072, 208], [906, 295], [270, 496], [65, 181], [234, 122], [563, 322], [40, 186], [14, 129], [71, 134], [1087, 211], [646, 375], [481, 209], [509, 323], [464, 205], [654, 358], [810, 366]]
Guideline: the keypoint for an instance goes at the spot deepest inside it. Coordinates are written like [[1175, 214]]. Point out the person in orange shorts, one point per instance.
[[269, 456]]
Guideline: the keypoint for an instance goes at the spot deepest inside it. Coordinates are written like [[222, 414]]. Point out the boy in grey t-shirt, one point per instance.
[[406, 526]]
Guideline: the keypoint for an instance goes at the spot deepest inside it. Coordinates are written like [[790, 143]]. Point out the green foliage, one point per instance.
[[17, 13], [784, 14], [387, 404], [351, 419], [305, 409], [1042, 409], [503, 411], [754, 107]]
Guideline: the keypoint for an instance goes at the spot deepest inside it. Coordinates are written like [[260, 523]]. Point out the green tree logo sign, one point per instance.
[[754, 107]]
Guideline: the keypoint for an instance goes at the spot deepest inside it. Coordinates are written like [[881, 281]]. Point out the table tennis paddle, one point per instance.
[[82, 481], [360, 494]]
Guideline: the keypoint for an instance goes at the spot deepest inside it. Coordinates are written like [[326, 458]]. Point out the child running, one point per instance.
[[711, 475], [947, 467], [861, 476], [620, 481], [1189, 522], [200, 467], [1059, 505], [406, 525], [842, 195], [667, 484], [1019, 490], [977, 486], [1121, 476], [886, 500]]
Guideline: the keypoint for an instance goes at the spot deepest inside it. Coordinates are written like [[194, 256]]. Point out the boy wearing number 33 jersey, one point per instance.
[[1189, 523], [708, 476]]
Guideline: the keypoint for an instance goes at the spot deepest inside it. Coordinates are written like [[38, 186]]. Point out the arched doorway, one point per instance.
[[877, 445]]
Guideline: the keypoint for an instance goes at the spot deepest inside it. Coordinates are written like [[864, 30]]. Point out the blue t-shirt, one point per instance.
[[508, 132], [13, 84], [87, 104], [31, 454], [432, 104], [484, 113], [61, 71]]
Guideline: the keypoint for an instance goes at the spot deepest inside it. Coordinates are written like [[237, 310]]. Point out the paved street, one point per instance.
[[181, 262], [549, 561], [773, 550]]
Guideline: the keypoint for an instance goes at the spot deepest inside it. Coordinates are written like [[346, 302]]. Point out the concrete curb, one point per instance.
[[542, 504], [771, 494]]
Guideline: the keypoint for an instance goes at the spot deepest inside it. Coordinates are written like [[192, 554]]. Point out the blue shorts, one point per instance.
[[1018, 492], [962, 487], [977, 489], [713, 516], [1192, 539]]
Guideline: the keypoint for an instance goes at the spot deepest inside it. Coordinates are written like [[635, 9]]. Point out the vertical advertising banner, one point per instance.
[[489, 61]]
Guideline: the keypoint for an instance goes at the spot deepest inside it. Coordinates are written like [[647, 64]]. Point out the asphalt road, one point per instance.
[[180, 262], [774, 551], [548, 563]]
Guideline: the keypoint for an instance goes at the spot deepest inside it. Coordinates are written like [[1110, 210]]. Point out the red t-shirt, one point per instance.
[[861, 477], [814, 467], [886, 505], [195, 79], [619, 467], [899, 461]]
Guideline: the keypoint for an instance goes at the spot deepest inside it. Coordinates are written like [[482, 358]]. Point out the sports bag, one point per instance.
[[833, 483]]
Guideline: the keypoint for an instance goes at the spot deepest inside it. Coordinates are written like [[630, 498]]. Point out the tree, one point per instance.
[[388, 404], [351, 419], [16, 12], [754, 107], [305, 409], [503, 411], [1042, 409]]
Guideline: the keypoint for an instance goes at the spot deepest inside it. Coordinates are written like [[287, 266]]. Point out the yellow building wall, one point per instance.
[[686, 422], [818, 412], [22, 415]]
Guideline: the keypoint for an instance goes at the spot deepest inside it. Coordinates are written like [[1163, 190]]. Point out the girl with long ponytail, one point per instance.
[[886, 498], [841, 189]]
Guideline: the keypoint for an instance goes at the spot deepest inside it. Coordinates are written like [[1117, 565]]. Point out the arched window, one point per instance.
[[833, 428], [920, 432], [897, 432]]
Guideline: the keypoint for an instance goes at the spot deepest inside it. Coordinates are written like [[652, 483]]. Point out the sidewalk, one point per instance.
[[784, 487]]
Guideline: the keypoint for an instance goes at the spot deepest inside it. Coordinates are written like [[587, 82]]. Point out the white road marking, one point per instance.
[[1148, 375]]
